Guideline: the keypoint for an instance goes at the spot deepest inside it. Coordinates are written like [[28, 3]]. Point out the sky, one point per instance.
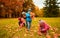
[[39, 3]]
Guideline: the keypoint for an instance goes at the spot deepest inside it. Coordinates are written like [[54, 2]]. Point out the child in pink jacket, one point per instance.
[[21, 22], [43, 27]]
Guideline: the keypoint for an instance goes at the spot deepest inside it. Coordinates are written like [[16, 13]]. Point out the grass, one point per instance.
[[9, 28]]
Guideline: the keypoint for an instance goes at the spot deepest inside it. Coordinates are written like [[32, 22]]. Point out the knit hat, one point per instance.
[[23, 12], [41, 21]]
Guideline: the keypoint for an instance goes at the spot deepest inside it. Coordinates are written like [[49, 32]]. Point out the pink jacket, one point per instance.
[[44, 26]]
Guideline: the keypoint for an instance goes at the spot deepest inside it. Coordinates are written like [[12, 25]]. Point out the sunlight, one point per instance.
[[39, 3]]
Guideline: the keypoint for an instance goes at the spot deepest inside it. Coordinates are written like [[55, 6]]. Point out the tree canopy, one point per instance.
[[51, 8], [13, 8]]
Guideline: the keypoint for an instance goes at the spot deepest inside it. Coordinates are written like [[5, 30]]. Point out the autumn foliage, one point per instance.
[[13, 8]]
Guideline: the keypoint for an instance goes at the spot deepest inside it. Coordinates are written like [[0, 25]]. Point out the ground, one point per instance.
[[9, 28]]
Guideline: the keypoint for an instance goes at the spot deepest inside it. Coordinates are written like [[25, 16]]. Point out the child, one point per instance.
[[43, 27], [21, 22]]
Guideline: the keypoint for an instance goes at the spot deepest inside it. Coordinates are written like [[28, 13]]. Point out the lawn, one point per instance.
[[9, 28]]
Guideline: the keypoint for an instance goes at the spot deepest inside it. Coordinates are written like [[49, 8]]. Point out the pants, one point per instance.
[[28, 25]]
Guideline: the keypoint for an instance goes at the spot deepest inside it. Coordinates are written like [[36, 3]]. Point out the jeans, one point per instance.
[[28, 25]]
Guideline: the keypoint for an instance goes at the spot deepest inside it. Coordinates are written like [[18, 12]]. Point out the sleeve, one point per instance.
[[47, 27]]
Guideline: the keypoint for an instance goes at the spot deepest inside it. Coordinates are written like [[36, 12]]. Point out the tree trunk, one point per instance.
[[10, 15]]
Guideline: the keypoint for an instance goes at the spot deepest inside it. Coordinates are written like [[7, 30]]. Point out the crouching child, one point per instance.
[[43, 28], [21, 22]]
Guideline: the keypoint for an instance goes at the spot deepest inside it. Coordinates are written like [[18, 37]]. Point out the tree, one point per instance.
[[10, 8], [28, 4], [38, 12], [51, 8], [13, 8]]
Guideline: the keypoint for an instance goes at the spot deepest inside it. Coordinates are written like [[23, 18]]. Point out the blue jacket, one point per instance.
[[28, 18]]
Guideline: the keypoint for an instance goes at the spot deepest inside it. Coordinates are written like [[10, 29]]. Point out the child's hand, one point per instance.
[[43, 30]]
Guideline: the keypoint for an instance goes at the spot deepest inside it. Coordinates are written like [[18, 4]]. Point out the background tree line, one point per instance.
[[14, 8], [51, 8]]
